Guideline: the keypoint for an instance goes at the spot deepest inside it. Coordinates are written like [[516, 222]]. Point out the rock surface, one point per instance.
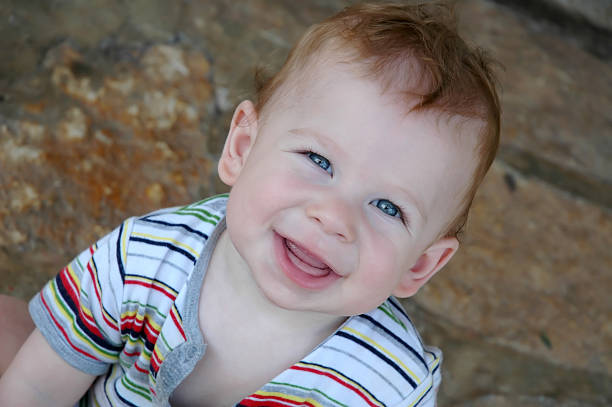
[[110, 109]]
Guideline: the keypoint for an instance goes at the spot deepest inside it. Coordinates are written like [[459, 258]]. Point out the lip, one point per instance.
[[297, 274]]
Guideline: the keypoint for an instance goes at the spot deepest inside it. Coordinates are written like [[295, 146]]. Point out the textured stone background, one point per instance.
[[110, 109]]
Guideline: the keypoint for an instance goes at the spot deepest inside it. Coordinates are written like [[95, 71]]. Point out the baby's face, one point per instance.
[[342, 192]]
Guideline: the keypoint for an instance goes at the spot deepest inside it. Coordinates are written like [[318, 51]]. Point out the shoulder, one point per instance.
[[179, 233], [388, 339], [383, 353], [161, 250], [196, 218]]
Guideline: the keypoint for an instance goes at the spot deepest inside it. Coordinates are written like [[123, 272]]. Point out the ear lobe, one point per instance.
[[433, 259], [240, 139]]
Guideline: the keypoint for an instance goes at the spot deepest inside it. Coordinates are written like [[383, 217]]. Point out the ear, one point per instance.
[[433, 259], [240, 139]]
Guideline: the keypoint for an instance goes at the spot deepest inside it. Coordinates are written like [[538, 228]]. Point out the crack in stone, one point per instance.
[[586, 186]]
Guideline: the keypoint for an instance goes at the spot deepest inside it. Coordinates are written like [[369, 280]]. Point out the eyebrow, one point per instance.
[[323, 139], [329, 143], [416, 203]]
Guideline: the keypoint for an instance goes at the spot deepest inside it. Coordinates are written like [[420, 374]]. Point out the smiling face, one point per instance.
[[338, 198]]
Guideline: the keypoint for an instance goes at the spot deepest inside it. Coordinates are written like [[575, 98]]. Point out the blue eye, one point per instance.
[[320, 161], [387, 207]]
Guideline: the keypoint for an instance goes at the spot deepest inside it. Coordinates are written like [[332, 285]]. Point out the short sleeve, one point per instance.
[[78, 312]]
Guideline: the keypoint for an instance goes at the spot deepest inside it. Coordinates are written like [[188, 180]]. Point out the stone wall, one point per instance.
[[110, 109], [599, 12]]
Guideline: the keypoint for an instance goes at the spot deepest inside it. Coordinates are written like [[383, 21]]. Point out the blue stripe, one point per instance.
[[180, 225], [119, 261], [63, 291], [97, 282], [423, 396], [393, 301], [380, 355], [399, 308], [127, 403], [391, 334], [165, 244]]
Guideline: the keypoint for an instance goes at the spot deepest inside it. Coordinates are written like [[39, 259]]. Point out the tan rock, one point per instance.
[[533, 274], [165, 64], [159, 110], [556, 95], [155, 193], [24, 197], [79, 88], [14, 153], [31, 131], [74, 126]]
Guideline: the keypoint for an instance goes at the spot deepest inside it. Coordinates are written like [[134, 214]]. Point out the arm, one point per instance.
[[38, 376], [76, 316]]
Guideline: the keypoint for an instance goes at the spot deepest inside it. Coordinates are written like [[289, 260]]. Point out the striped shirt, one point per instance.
[[126, 310]]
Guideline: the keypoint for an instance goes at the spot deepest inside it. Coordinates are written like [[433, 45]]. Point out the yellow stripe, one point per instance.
[[74, 278], [160, 357], [67, 317], [95, 282], [421, 395], [343, 377], [384, 350], [77, 282], [288, 397], [137, 344], [124, 245], [154, 282], [141, 318], [167, 239]]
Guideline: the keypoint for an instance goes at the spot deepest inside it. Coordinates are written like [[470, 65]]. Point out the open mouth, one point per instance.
[[306, 260], [302, 266]]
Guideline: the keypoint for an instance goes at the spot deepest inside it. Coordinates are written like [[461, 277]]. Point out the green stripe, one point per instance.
[[197, 208], [148, 306], [161, 335], [136, 341], [309, 389], [390, 314], [196, 212], [82, 335], [203, 219], [134, 388]]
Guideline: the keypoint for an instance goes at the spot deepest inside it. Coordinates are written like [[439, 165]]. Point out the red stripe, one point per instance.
[[268, 402], [137, 326], [155, 362], [93, 280], [111, 324], [267, 399], [331, 376], [89, 322], [130, 354], [69, 283], [64, 332], [150, 285], [176, 323], [140, 369]]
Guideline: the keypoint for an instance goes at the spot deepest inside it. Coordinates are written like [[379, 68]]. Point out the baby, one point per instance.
[[350, 179]]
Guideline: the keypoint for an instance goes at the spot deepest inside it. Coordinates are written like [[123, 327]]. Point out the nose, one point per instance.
[[334, 216]]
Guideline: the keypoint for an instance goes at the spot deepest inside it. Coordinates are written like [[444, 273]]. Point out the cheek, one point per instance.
[[382, 265], [260, 192]]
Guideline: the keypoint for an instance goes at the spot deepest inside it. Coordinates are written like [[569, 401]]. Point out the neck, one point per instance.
[[231, 276]]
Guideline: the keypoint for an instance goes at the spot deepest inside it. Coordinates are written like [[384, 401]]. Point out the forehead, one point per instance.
[[330, 89]]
